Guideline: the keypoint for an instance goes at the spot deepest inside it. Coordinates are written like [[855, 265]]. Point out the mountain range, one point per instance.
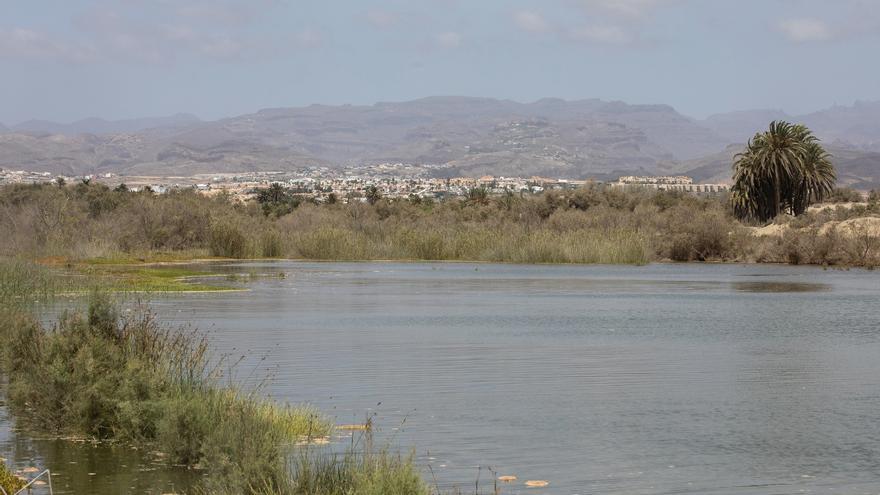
[[467, 136]]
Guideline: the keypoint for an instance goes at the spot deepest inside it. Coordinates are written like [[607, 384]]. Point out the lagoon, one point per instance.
[[667, 378]]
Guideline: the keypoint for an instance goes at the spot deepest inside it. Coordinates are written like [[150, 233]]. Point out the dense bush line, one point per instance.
[[594, 224]]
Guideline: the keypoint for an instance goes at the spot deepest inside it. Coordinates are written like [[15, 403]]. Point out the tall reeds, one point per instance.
[[131, 380]]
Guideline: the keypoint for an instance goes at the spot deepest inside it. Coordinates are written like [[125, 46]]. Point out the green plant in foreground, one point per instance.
[[21, 282], [129, 379], [361, 473], [8, 480]]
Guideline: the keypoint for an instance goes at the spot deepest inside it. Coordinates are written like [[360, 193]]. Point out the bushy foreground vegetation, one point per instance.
[[9, 481], [594, 224], [101, 376], [362, 473]]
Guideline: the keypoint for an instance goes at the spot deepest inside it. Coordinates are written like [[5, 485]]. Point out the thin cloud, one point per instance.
[[616, 22], [216, 13], [382, 19], [309, 38], [530, 21], [614, 35], [27, 43], [803, 30], [623, 8], [450, 39], [122, 33]]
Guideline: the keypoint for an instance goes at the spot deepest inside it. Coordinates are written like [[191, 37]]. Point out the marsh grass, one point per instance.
[[130, 380], [9, 481], [362, 473], [23, 282], [470, 244]]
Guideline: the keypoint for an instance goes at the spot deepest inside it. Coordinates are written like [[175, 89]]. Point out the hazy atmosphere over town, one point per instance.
[[431, 247]]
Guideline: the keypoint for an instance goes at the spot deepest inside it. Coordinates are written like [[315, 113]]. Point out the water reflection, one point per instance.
[[780, 286]]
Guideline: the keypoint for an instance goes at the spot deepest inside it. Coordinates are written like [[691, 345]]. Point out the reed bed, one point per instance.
[[22, 282], [129, 379], [362, 473]]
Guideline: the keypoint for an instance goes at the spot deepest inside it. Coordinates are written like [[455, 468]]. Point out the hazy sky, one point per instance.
[[69, 59]]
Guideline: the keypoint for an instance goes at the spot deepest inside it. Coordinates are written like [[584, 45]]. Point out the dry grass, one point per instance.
[[594, 224]]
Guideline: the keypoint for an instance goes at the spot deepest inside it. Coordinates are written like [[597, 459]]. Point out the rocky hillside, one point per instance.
[[855, 168], [468, 136], [854, 127]]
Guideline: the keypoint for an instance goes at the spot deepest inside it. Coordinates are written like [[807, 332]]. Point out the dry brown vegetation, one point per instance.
[[594, 224]]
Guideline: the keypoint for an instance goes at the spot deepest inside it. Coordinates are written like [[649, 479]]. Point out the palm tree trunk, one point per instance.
[[778, 198]]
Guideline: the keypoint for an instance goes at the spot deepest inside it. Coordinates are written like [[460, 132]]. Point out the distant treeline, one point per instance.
[[594, 224]]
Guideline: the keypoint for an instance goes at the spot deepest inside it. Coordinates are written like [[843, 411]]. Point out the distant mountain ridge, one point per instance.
[[95, 125], [468, 136], [856, 126]]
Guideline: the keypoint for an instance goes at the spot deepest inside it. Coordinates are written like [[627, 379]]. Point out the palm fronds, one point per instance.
[[782, 170]]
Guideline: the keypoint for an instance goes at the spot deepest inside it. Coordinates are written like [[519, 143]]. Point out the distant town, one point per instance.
[[392, 181]]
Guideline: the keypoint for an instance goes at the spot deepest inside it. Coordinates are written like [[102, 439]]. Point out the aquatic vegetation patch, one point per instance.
[[362, 473], [22, 282], [9, 481], [129, 379], [150, 278]]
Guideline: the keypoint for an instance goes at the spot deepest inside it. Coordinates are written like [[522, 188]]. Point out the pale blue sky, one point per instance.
[[69, 59]]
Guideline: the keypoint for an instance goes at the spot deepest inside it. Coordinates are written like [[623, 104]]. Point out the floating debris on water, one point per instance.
[[357, 427], [506, 479], [537, 483], [314, 441]]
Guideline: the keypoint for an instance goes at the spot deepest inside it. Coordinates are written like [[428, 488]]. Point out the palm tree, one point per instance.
[[373, 194], [817, 178], [782, 170], [478, 195], [275, 193]]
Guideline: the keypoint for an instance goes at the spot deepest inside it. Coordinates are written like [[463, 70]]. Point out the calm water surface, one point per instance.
[[709, 379]]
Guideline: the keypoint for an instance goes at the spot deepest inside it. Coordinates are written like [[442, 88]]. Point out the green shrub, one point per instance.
[[227, 240], [9, 481], [844, 195], [689, 235]]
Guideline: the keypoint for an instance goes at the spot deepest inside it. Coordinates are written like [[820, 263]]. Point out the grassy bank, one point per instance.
[[594, 224], [97, 375]]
